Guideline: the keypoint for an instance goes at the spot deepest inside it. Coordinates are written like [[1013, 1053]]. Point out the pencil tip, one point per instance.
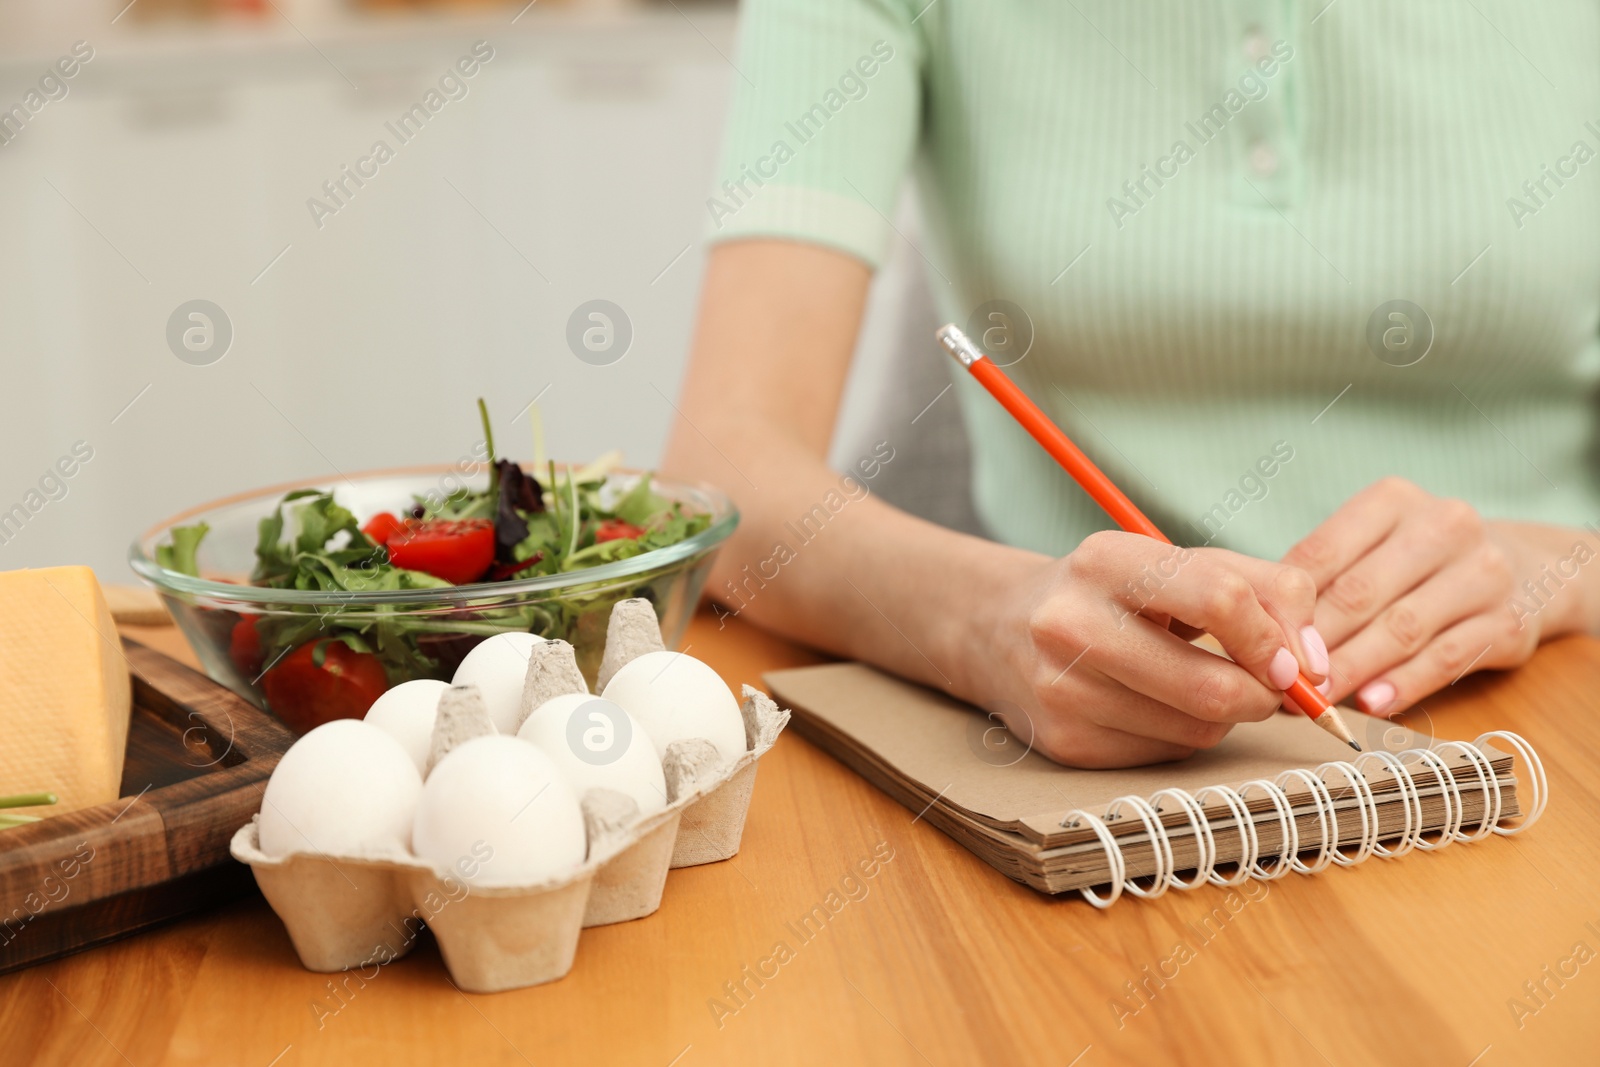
[[1355, 746]]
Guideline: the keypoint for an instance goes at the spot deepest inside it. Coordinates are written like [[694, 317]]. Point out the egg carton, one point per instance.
[[345, 912]]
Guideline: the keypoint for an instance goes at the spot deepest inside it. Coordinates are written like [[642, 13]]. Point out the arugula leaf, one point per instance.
[[543, 535], [576, 516], [674, 528], [180, 554], [488, 447], [338, 571], [461, 504], [669, 529], [604, 552], [321, 519], [641, 504], [275, 558]]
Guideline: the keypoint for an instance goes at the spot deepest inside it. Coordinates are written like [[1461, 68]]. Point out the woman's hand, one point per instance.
[[1093, 676], [1415, 591]]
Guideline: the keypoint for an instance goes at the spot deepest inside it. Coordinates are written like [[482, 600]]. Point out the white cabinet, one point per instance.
[[179, 166]]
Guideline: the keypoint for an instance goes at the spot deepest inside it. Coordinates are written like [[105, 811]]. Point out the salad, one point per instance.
[[313, 664]]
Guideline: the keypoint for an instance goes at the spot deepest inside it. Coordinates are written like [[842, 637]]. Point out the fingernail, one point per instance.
[[1316, 650], [1375, 696], [1326, 688], [1283, 669]]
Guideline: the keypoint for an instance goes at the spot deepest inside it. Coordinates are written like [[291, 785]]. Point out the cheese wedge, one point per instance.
[[65, 695]]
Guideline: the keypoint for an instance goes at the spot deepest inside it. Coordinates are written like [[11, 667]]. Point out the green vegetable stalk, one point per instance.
[[23, 800]]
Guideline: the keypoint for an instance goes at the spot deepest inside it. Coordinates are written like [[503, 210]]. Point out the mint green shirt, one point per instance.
[[1203, 210]]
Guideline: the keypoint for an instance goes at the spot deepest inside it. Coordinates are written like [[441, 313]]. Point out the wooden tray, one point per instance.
[[198, 761]]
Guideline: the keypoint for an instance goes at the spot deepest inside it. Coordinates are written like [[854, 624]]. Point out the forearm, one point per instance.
[[817, 557], [820, 558]]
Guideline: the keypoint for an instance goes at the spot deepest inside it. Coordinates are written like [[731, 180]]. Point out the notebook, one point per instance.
[[1273, 797]]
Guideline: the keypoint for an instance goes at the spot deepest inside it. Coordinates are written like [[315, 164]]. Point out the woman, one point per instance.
[[1315, 286]]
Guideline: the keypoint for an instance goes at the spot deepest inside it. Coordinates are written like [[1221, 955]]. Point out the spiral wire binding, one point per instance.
[[1331, 850]]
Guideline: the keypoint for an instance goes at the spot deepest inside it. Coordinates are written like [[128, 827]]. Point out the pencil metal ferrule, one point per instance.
[[958, 345]]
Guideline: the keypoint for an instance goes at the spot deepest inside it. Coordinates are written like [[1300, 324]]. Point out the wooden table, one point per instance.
[[937, 959]]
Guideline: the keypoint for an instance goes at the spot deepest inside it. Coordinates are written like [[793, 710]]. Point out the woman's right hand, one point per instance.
[[1091, 661], [1078, 648]]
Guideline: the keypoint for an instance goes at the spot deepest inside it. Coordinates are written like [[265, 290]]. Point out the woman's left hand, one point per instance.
[[1415, 591]]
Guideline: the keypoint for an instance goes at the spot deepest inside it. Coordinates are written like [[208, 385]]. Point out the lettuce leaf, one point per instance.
[[181, 554]]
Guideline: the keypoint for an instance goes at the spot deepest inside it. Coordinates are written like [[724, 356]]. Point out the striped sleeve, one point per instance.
[[825, 115]]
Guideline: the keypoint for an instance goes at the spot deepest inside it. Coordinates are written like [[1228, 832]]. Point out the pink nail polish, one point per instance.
[[1326, 688], [1316, 649], [1375, 696], [1283, 669]]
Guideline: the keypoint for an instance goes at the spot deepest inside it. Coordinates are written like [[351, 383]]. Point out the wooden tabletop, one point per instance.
[[936, 958]]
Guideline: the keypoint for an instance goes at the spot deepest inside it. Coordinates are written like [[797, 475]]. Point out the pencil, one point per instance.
[[1105, 492]]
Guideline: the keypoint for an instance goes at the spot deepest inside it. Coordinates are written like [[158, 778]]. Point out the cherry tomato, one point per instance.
[[383, 526], [459, 551], [616, 530], [305, 695], [244, 647]]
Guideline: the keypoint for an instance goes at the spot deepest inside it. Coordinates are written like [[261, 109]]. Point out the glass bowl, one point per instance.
[[443, 624]]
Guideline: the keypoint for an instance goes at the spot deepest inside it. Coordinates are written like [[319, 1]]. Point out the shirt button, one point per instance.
[[1263, 159], [1256, 45]]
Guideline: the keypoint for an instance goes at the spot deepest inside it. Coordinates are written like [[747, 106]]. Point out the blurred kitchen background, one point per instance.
[[175, 164]]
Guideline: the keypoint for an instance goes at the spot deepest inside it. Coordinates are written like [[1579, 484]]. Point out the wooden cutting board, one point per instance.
[[198, 761]]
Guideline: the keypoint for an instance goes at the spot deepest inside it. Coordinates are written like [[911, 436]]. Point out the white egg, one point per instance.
[[498, 666], [346, 788], [407, 713], [496, 811], [674, 696], [596, 744]]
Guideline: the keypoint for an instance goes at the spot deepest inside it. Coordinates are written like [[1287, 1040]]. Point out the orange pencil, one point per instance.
[[1094, 482]]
